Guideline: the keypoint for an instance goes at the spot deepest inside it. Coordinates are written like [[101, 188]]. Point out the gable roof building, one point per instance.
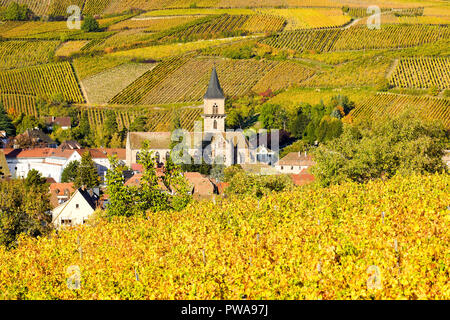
[[294, 162], [76, 210]]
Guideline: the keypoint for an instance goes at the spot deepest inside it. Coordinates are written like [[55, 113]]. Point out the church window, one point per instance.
[[215, 124], [215, 109]]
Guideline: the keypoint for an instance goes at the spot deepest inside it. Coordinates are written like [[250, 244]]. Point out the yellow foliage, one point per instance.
[[380, 240]]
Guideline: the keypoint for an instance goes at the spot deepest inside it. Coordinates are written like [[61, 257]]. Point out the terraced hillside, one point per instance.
[[159, 119], [422, 73], [358, 38], [387, 104], [43, 81], [186, 80]]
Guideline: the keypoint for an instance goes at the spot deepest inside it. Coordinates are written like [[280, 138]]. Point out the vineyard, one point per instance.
[[386, 104], [42, 81], [223, 26], [388, 240], [102, 87], [358, 38], [137, 91], [422, 73], [309, 18], [19, 54], [152, 24], [17, 104], [159, 120], [185, 80], [282, 76]]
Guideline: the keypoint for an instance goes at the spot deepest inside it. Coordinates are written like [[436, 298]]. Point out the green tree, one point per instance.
[[16, 12], [328, 129], [34, 180], [122, 200], [404, 144], [70, 172], [87, 175], [151, 197], [273, 116], [299, 123], [22, 210], [175, 181], [139, 124], [5, 122], [90, 24]]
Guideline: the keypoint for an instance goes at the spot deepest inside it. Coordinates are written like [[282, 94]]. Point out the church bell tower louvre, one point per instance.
[[214, 106]]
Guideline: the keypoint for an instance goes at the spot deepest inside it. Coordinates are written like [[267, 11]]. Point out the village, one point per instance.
[[73, 206]]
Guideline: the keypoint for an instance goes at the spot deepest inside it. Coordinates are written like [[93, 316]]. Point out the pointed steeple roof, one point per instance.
[[214, 90]]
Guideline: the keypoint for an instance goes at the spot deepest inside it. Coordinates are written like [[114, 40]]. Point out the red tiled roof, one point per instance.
[[296, 159], [60, 188], [99, 153], [137, 167], [61, 121], [135, 181], [201, 184], [221, 186], [304, 177]]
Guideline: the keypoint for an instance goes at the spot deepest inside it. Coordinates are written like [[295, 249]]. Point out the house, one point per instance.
[[51, 162], [294, 163], [202, 186], [33, 138], [76, 210], [60, 193], [63, 122]]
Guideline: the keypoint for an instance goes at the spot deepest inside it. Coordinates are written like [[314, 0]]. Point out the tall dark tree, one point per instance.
[[70, 172], [87, 175], [6, 123]]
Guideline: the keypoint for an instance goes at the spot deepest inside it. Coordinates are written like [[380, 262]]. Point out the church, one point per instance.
[[209, 141]]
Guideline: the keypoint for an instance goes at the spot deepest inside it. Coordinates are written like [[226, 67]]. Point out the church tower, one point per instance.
[[214, 106]]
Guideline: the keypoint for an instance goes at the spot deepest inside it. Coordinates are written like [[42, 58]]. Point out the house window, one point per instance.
[[167, 155], [157, 157], [137, 156], [281, 167], [77, 206], [215, 124], [292, 168], [66, 222]]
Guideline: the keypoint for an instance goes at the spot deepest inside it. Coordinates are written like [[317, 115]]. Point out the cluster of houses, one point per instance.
[[74, 206]]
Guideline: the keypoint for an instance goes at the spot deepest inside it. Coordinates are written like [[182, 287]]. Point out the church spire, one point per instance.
[[214, 90]]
